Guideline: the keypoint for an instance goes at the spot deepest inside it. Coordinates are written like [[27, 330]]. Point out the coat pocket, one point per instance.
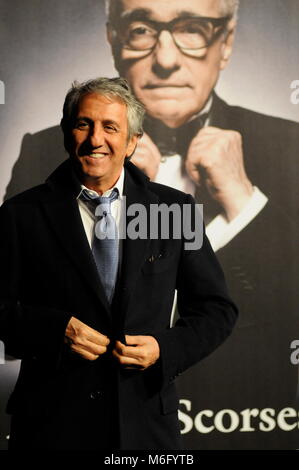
[[158, 265]]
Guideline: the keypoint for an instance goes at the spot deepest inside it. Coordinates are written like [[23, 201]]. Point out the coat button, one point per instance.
[[96, 395]]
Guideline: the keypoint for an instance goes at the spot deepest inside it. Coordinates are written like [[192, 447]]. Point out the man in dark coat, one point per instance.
[[98, 369], [244, 167]]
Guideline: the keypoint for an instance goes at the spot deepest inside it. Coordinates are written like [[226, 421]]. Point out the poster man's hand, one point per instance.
[[85, 341], [140, 352], [147, 157], [215, 157]]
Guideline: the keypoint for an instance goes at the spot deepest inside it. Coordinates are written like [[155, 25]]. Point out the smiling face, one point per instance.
[[99, 141], [172, 85]]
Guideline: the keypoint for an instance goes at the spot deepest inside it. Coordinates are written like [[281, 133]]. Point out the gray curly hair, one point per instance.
[[110, 87], [227, 8]]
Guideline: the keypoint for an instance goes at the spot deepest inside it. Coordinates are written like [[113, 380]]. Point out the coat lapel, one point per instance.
[[63, 214], [220, 115], [134, 251]]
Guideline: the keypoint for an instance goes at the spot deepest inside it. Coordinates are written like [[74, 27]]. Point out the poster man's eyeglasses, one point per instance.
[[191, 35]]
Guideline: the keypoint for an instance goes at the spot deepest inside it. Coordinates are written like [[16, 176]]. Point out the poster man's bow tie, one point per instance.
[[173, 141]]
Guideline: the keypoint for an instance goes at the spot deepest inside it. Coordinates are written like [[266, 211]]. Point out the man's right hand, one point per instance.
[[147, 157], [85, 341]]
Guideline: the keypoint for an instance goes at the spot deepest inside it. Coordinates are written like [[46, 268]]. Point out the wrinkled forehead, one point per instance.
[[97, 104], [167, 10]]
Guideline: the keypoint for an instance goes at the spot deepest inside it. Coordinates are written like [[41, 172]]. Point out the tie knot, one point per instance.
[[108, 199], [101, 204]]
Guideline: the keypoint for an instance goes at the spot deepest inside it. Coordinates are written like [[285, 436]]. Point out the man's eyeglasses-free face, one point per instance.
[[191, 35]]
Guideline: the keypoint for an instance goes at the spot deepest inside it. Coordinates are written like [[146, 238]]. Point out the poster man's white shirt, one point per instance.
[[219, 231]]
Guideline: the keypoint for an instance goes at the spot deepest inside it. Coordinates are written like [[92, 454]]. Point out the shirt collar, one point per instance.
[[205, 110], [119, 185]]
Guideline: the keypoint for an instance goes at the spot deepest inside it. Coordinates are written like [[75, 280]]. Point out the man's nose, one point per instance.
[[167, 54], [96, 136]]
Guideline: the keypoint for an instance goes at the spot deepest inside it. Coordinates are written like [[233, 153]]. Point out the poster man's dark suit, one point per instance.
[[49, 275], [253, 368]]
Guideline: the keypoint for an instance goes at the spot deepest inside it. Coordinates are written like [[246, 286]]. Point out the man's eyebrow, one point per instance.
[[136, 14], [105, 121], [110, 122], [147, 14], [188, 14], [82, 118]]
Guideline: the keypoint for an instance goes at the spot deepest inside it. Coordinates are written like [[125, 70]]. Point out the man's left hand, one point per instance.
[[215, 158], [140, 352]]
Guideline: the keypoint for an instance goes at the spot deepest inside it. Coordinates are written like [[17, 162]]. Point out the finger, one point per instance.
[[135, 340], [193, 171], [126, 361], [155, 151], [88, 356], [210, 130], [146, 140], [95, 348], [83, 353], [92, 335], [147, 146], [137, 367], [97, 337], [89, 346], [77, 329], [129, 351], [140, 160]]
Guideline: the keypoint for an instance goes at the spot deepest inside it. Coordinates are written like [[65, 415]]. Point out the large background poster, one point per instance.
[[245, 394]]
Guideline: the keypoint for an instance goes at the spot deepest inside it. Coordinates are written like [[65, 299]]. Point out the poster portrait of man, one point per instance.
[[214, 77]]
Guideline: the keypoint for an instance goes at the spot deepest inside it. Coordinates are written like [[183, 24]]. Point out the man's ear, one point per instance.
[[109, 34], [227, 46], [132, 144]]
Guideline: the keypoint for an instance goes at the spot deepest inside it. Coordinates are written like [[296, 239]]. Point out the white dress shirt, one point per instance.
[[88, 217]]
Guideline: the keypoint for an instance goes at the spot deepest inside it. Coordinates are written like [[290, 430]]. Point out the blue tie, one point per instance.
[[105, 241]]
